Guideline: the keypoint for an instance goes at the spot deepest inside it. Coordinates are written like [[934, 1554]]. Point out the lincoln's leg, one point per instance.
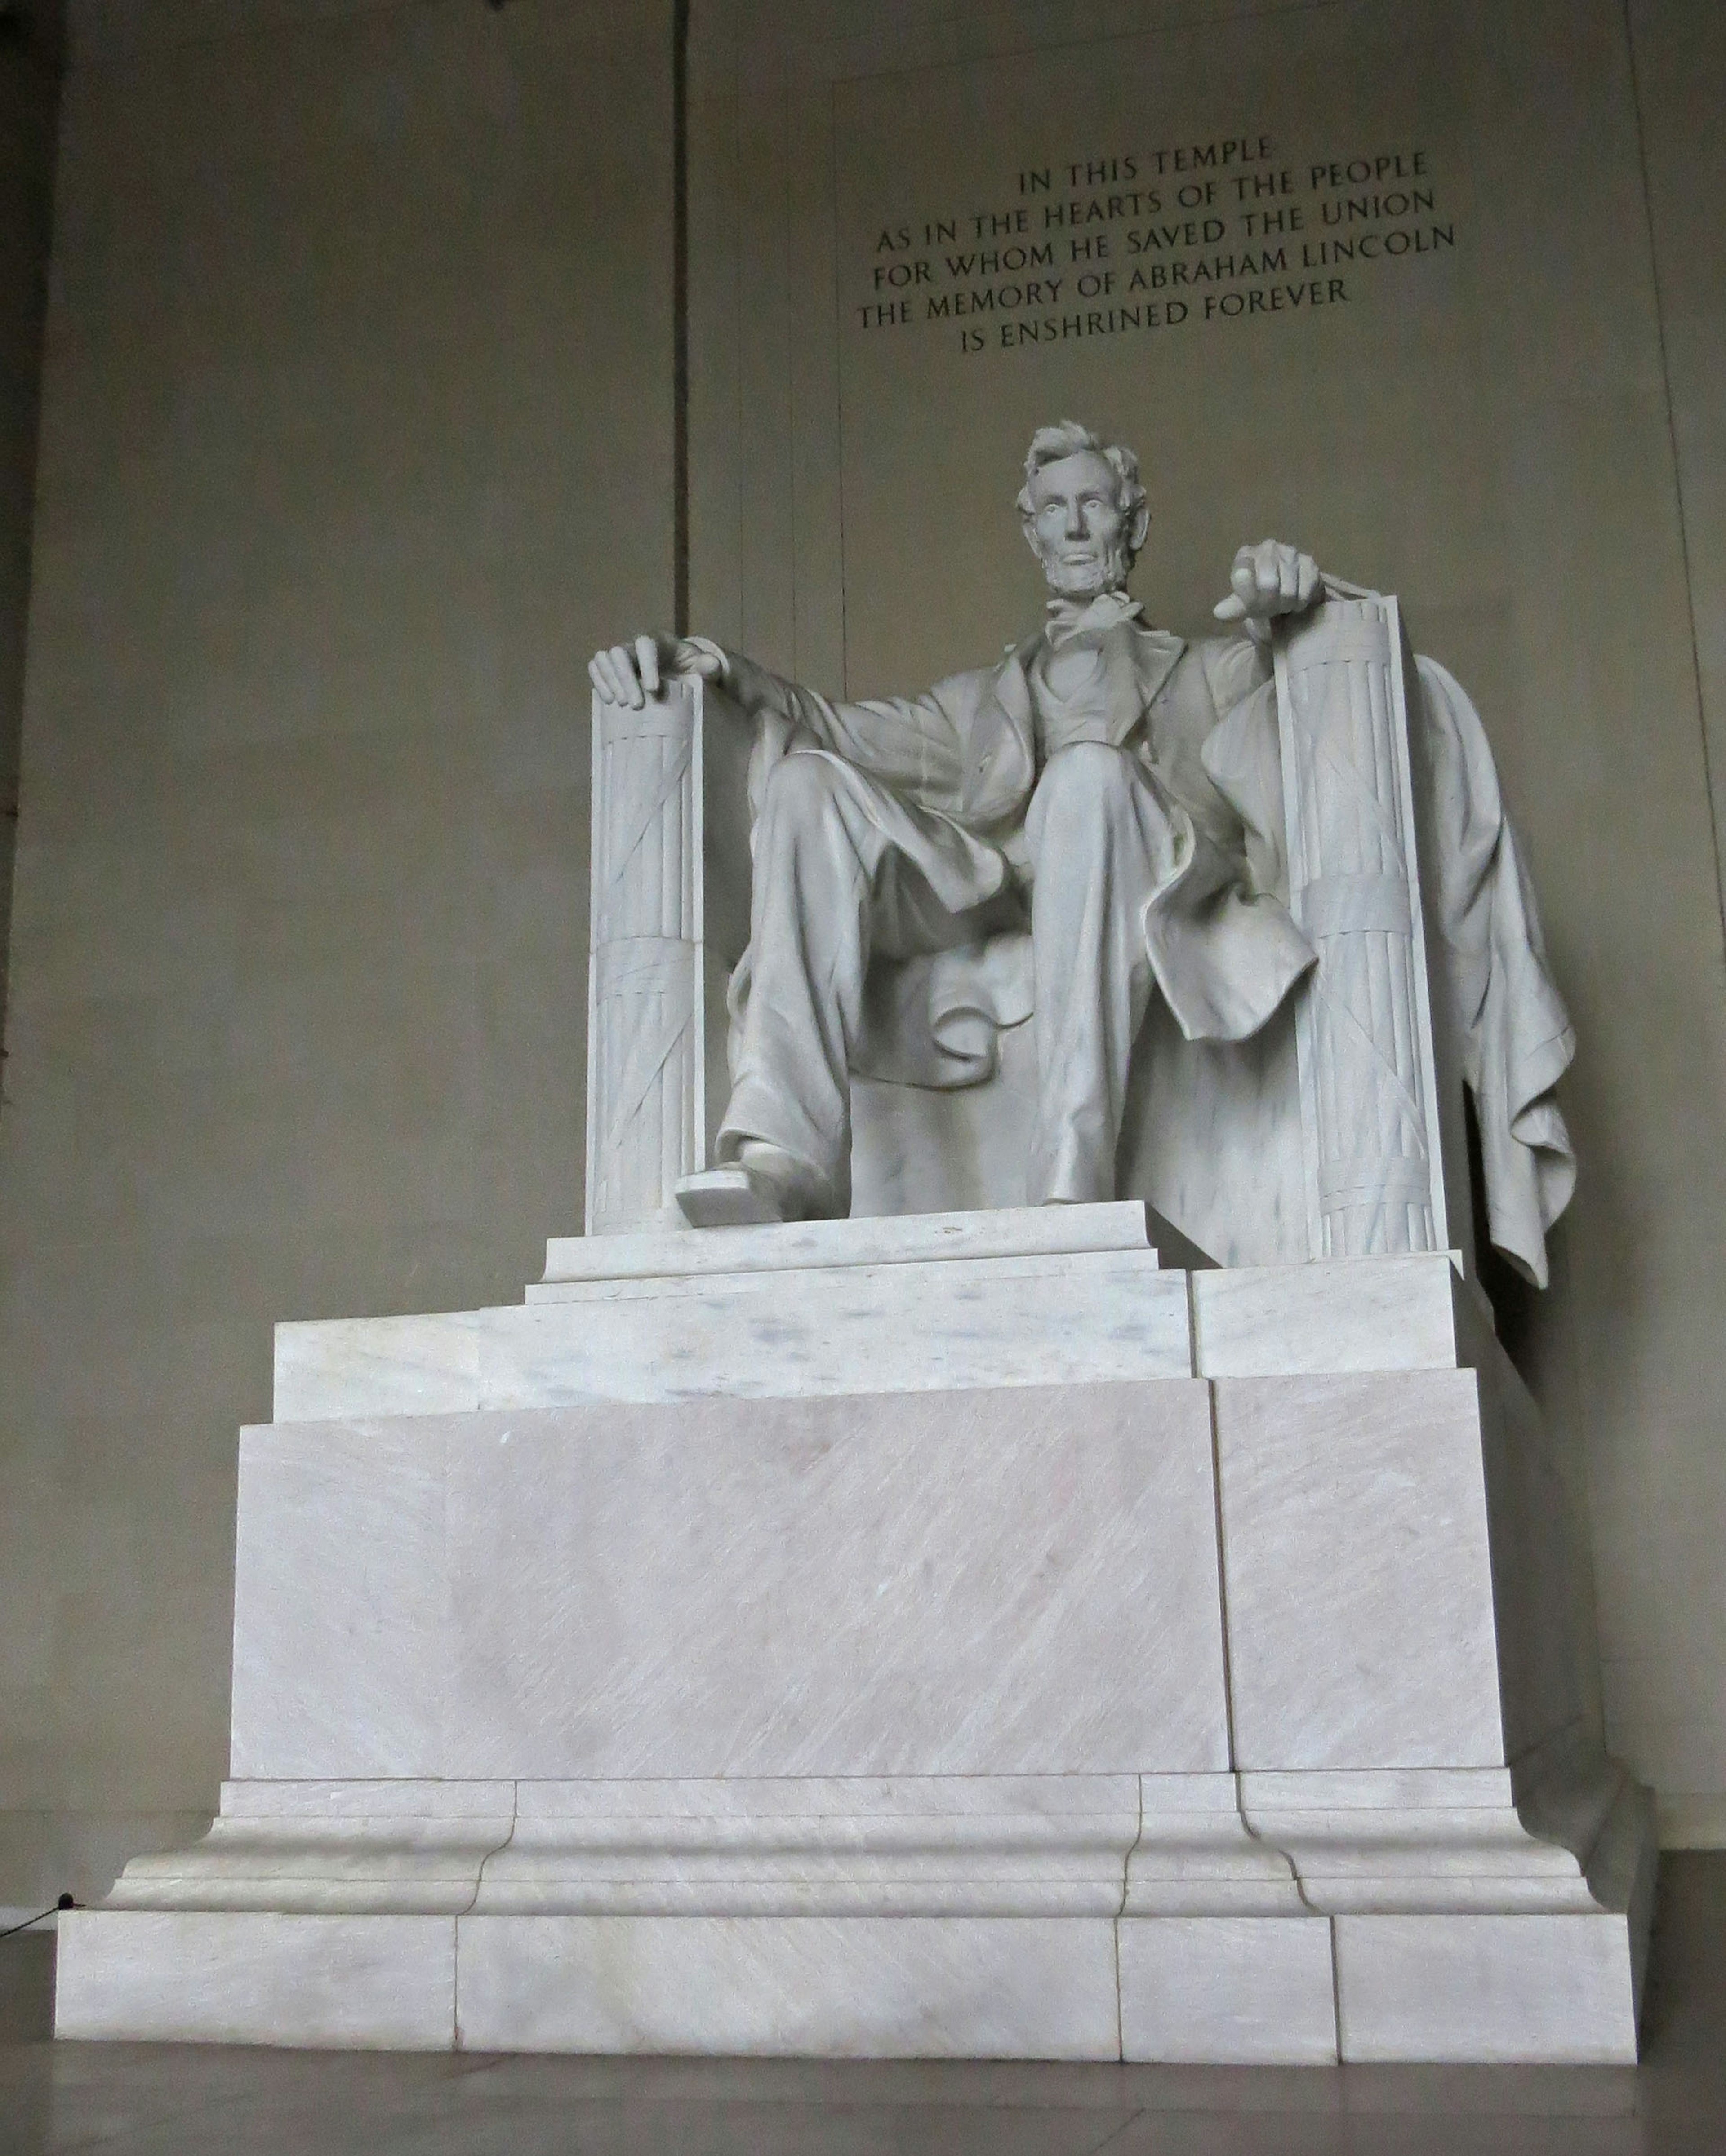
[[817, 857], [1100, 843]]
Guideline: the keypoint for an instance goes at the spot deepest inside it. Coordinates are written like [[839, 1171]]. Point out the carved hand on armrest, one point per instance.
[[1269, 580], [628, 674]]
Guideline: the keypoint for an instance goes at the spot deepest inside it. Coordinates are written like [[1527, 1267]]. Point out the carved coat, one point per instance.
[[1220, 942]]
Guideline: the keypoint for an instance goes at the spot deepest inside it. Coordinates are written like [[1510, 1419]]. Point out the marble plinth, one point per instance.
[[939, 1302], [1216, 1684]]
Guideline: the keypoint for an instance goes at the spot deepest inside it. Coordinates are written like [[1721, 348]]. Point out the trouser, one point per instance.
[[843, 872]]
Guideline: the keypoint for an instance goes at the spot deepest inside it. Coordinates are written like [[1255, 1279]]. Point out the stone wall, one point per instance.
[[357, 434], [30, 39], [30, 87]]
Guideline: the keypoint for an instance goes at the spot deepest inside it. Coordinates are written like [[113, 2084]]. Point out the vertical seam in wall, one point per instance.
[[42, 269], [1336, 1991], [680, 317], [1247, 1827], [1671, 432], [1222, 1583], [839, 374]]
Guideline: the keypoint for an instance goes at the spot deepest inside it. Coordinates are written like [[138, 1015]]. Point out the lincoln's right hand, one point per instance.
[[628, 674]]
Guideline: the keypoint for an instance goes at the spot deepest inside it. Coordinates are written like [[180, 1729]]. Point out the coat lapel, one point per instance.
[[1001, 739], [1157, 652], [1000, 750]]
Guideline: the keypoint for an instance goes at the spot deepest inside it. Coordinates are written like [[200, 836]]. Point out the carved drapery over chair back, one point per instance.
[[1364, 1022]]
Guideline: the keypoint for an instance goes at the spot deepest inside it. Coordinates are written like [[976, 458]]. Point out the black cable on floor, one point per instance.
[[12, 1931]]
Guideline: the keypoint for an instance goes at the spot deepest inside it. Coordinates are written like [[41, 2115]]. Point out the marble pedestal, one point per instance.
[[958, 1636]]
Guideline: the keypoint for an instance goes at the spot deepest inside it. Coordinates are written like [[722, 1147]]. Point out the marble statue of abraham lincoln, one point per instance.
[[1066, 787]]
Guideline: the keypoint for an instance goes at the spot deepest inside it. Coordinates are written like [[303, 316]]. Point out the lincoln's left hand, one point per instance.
[[1268, 579]]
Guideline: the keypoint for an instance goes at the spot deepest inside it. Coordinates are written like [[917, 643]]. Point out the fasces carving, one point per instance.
[[644, 1119], [1368, 1089], [669, 922]]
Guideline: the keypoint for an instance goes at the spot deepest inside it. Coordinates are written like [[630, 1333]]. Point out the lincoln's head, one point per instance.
[[1083, 510]]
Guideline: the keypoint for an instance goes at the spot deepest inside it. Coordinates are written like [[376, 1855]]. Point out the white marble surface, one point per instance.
[[1369, 1106], [1021, 1580], [668, 919], [907, 1326], [1361, 1628], [774, 1722], [1211, 1844], [1223, 1989], [839, 1988], [911, 1845], [1230, 1991], [373, 1847], [341, 1600], [1363, 793], [1195, 1854], [877, 1918], [1346, 1314], [382, 1983], [1448, 1841], [1495, 1988], [1019, 1231], [1042, 1295]]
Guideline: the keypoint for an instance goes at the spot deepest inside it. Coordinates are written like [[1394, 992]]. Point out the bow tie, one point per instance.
[[1078, 617]]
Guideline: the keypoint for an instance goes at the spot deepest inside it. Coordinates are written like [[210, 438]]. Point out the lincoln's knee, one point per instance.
[[801, 788], [802, 798], [1088, 772]]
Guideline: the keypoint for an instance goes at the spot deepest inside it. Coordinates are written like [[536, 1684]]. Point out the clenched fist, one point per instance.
[[628, 674], [1269, 579]]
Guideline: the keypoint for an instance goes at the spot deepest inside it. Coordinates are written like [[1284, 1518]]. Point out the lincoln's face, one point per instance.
[[1076, 528]]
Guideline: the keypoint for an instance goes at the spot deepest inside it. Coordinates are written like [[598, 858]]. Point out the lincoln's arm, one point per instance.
[[1233, 667], [908, 742]]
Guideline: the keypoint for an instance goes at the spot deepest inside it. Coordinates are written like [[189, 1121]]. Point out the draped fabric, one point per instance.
[[1516, 1034], [1497, 992]]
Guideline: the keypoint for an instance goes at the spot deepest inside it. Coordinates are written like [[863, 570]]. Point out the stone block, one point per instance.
[[1231, 1991], [1499, 1988], [223, 1977], [837, 1988], [1357, 1576], [1014, 1581], [340, 1629]]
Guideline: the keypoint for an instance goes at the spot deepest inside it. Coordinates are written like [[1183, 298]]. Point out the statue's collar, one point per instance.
[[1069, 617]]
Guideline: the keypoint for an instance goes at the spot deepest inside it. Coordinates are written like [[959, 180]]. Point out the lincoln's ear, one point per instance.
[[1140, 528], [1030, 531]]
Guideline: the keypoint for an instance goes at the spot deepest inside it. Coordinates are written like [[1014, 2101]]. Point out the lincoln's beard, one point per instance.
[[1108, 572]]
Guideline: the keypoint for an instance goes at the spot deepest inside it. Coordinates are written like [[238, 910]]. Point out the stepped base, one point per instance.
[[1217, 1990], [1233, 1703]]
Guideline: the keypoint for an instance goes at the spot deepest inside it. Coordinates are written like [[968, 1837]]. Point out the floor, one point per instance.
[[165, 2100]]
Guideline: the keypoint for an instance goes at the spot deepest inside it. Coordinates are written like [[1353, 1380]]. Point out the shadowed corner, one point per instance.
[[26, 1963]]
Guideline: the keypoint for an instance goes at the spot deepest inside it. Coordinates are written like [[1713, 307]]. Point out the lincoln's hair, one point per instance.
[[1050, 444]]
